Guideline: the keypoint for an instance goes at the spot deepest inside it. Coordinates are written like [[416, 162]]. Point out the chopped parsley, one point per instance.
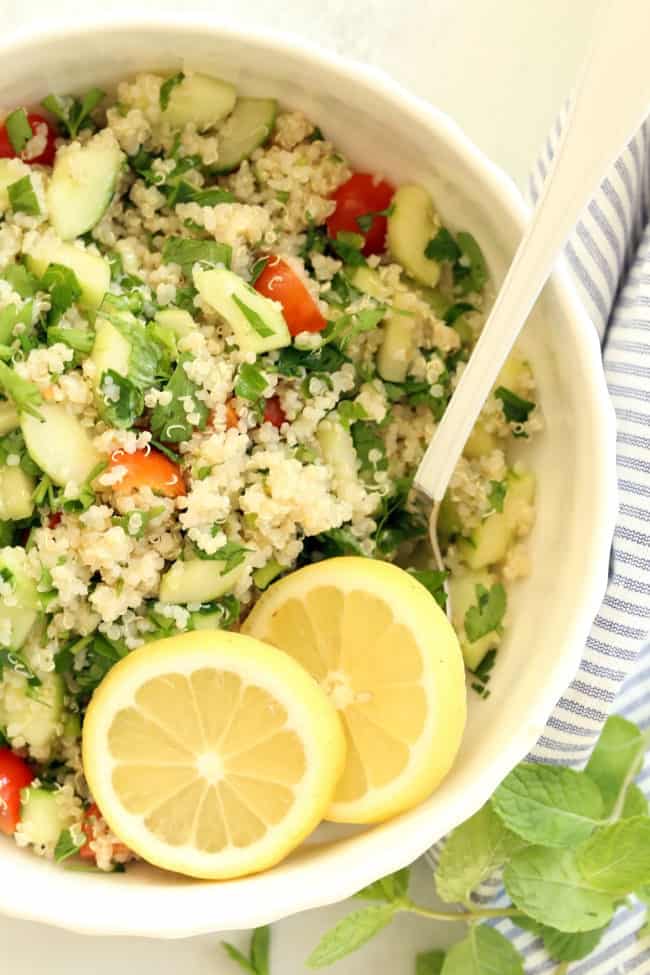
[[483, 673], [122, 401], [22, 197], [496, 494], [293, 361], [257, 268], [515, 409], [187, 252], [78, 339], [351, 324], [167, 88], [366, 220], [396, 523], [370, 449], [18, 129], [487, 615], [456, 310], [63, 287], [253, 318], [443, 247], [66, 846], [135, 523], [251, 383], [434, 581], [73, 113], [347, 246], [171, 423], [25, 394]]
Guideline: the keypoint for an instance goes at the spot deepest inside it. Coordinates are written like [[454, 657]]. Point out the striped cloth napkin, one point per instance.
[[609, 255]]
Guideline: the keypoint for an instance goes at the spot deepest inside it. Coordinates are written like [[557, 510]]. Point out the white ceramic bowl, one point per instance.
[[384, 129]]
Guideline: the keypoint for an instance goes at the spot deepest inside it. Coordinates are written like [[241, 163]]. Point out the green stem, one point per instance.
[[466, 916], [563, 968], [633, 771]]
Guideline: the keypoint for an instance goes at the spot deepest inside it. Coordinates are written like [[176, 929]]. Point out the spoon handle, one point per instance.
[[610, 101]]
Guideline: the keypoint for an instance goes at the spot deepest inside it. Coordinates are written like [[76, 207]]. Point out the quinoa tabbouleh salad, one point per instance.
[[223, 352]]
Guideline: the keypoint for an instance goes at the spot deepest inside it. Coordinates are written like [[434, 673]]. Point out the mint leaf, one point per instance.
[[253, 318], [73, 112], [549, 805], [515, 409], [560, 945], [483, 952], [635, 803], [369, 446], [170, 423], [167, 88], [122, 402], [66, 846], [470, 271], [429, 962], [616, 859], [442, 247], [488, 613], [18, 129], [260, 948], [25, 394], [389, 888], [496, 494], [434, 582], [548, 885], [187, 252], [351, 933], [63, 288], [617, 754], [22, 197], [472, 853]]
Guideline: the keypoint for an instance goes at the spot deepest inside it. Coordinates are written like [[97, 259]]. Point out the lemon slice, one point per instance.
[[211, 754], [390, 662]]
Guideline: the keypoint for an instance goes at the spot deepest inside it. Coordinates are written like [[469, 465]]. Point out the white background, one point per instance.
[[502, 68]]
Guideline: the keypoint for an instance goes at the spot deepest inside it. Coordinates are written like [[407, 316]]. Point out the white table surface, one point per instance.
[[501, 68]]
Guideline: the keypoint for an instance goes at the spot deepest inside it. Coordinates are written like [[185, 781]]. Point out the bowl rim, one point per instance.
[[375, 856]]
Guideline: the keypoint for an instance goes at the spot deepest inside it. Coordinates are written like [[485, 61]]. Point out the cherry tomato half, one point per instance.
[[361, 196], [91, 821], [148, 468], [280, 283], [44, 158], [273, 412], [15, 774]]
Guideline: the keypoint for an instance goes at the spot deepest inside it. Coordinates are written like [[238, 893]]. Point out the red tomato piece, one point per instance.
[[273, 412], [148, 468], [231, 416], [92, 825], [280, 283], [15, 774], [45, 157], [361, 195], [54, 519]]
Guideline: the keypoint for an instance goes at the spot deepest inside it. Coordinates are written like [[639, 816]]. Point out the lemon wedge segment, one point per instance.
[[390, 662], [211, 754]]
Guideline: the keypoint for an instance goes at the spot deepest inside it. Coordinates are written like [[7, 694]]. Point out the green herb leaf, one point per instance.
[[616, 859], [135, 523], [210, 197], [560, 945], [257, 268], [487, 615], [12, 315], [335, 541], [170, 423], [434, 581], [292, 361], [366, 220], [167, 88], [231, 554], [496, 494], [635, 803], [349, 412], [429, 962], [187, 252], [616, 756], [485, 951], [472, 853], [443, 247], [16, 661], [483, 673], [22, 281], [260, 950], [73, 112], [101, 654], [63, 288], [350, 934], [122, 401], [228, 608], [146, 354], [25, 394], [78, 339], [66, 846], [471, 260], [396, 523], [251, 382], [253, 318], [370, 448], [548, 885], [265, 575], [351, 324], [347, 246], [515, 409], [238, 957], [454, 312], [18, 129], [390, 888], [548, 804], [22, 197]]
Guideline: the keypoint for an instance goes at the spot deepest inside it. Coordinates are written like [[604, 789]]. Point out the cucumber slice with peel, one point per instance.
[[489, 542], [82, 185], [60, 445], [16, 489], [397, 348], [92, 271], [200, 100], [411, 226], [257, 322], [179, 320], [110, 350], [338, 450], [42, 816], [197, 581], [23, 611], [247, 128]]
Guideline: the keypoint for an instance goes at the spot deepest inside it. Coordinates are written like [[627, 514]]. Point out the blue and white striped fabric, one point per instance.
[[609, 255]]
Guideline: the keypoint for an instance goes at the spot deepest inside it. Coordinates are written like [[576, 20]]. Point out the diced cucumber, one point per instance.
[[462, 593], [9, 418], [479, 442], [42, 816], [338, 450], [198, 581], [515, 375], [11, 170], [411, 226], [206, 621], [397, 348], [93, 272], [449, 523], [489, 542], [110, 350], [199, 99], [264, 576], [82, 185], [180, 321], [257, 322], [60, 445], [16, 489], [23, 612], [249, 126], [367, 279]]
